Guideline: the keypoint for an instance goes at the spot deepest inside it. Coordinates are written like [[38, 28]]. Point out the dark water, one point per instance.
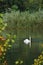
[[37, 40], [21, 51], [29, 54]]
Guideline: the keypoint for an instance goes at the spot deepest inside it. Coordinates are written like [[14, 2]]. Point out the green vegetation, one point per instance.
[[39, 61], [6, 41], [24, 23], [31, 5], [20, 19]]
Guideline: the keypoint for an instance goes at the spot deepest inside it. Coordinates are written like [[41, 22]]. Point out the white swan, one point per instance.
[[28, 41]]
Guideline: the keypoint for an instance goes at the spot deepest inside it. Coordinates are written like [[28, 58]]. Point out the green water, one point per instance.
[[21, 51]]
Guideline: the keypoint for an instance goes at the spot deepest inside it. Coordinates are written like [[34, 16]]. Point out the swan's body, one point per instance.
[[28, 41]]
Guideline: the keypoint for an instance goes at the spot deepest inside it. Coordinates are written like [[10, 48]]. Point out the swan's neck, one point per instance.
[[30, 42], [30, 38]]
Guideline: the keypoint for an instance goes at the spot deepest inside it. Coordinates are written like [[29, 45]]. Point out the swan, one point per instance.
[[28, 41]]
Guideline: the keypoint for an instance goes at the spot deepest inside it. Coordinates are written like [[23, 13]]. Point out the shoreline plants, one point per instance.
[[6, 41], [39, 60]]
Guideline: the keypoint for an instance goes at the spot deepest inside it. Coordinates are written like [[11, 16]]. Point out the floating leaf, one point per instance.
[[16, 62], [21, 62]]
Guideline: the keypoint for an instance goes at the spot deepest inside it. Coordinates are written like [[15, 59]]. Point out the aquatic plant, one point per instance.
[[39, 61]]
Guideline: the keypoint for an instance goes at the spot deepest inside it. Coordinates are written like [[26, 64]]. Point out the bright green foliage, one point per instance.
[[39, 61], [18, 62], [2, 24], [6, 40]]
